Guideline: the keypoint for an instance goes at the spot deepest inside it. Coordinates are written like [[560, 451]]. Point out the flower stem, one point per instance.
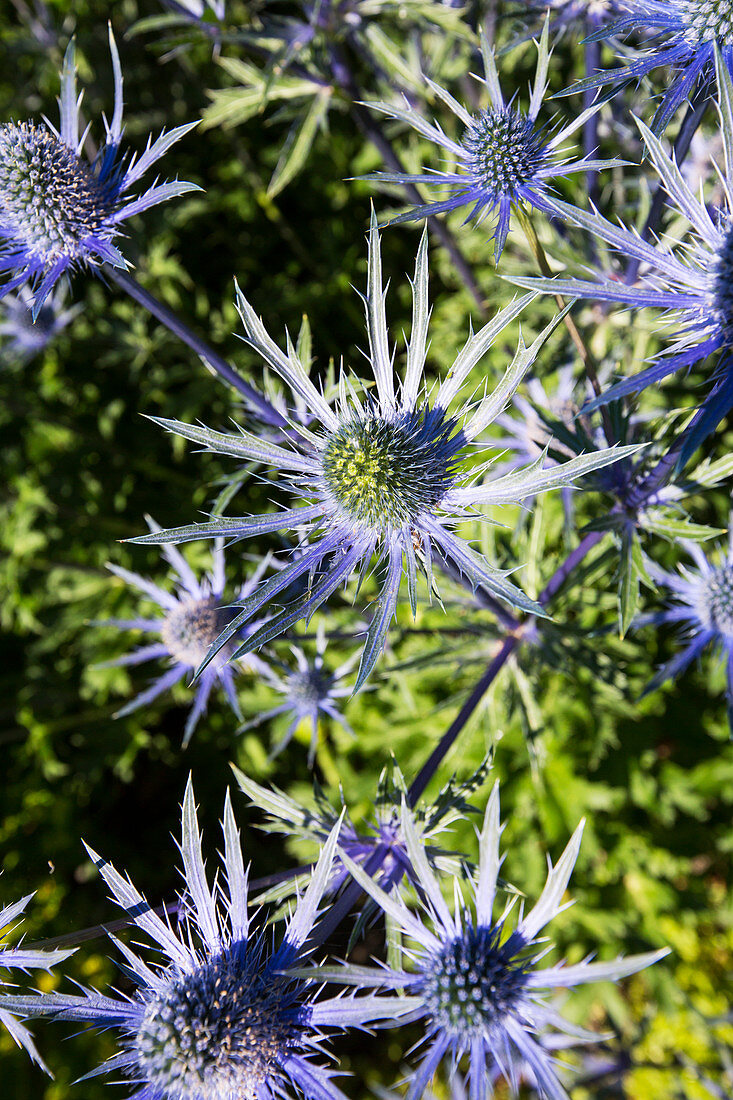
[[584, 352], [344, 903], [131, 286]]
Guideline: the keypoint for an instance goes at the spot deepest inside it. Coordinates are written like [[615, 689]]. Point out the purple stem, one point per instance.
[[131, 286], [342, 907]]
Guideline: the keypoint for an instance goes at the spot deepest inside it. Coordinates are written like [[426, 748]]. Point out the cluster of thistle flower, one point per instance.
[[384, 474]]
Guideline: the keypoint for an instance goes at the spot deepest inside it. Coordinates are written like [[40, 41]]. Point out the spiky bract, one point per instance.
[[681, 34], [478, 986], [219, 1018], [693, 283], [502, 159], [58, 211], [20, 958], [385, 473], [193, 618]]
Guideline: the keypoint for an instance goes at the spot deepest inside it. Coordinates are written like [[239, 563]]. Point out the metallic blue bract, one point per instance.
[[681, 34], [59, 212], [215, 1014]]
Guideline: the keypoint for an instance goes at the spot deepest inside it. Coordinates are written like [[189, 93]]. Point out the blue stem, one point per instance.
[[131, 286]]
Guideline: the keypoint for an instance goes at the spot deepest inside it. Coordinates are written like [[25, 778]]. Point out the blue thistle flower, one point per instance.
[[383, 474], [693, 284], [17, 958], [684, 35], [220, 1018], [478, 986], [193, 619], [380, 835], [310, 691], [703, 607], [503, 158], [59, 212], [22, 337]]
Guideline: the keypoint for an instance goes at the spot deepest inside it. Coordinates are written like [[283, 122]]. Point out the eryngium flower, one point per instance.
[[219, 1019], [12, 958], [193, 618], [23, 338], [477, 985], [502, 159], [385, 474], [684, 35], [59, 212], [380, 837], [704, 609], [309, 691], [693, 283]]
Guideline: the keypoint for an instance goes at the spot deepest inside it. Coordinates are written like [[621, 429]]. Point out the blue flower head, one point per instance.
[[381, 835], [214, 1015], [502, 159], [384, 473], [310, 691], [17, 958], [479, 987], [193, 618], [693, 283], [703, 607], [684, 35], [58, 212]]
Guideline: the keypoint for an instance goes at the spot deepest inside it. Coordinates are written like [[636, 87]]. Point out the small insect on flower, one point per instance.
[[703, 595], [477, 985], [193, 619], [219, 1018], [58, 211], [685, 35], [693, 283], [382, 472], [12, 958], [502, 159]]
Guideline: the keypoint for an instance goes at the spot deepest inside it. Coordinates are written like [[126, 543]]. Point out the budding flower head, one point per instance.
[[502, 159], [219, 1017], [193, 618], [310, 691], [476, 984], [22, 337], [386, 473], [58, 211]]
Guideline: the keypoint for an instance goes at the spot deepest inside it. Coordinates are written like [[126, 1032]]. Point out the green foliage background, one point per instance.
[[81, 467]]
